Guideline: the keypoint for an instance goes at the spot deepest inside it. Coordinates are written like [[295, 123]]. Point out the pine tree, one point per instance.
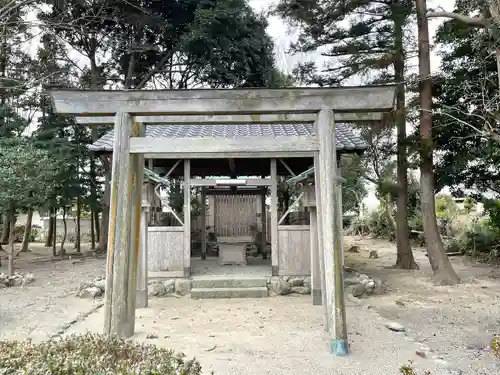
[[373, 44], [58, 134], [466, 88]]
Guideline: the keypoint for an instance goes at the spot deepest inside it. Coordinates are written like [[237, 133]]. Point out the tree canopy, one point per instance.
[[114, 45], [467, 96], [27, 174], [182, 44], [363, 40], [357, 37]]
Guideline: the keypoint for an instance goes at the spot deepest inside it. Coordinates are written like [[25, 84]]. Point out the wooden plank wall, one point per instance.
[[234, 214], [294, 217], [294, 256], [165, 249]]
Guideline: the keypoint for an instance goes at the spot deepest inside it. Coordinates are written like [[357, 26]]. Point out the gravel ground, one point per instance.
[[278, 336], [456, 322], [285, 335], [38, 310]]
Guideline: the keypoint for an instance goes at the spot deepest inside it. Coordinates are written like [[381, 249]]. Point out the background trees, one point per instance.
[[27, 176], [175, 45], [223, 43], [367, 40], [466, 96], [113, 44], [372, 42]]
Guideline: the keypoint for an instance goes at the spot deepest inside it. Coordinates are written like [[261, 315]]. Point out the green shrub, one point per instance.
[[91, 354], [19, 233], [445, 206], [34, 234], [492, 209], [469, 205], [359, 226], [479, 239], [410, 370], [379, 225], [495, 346]]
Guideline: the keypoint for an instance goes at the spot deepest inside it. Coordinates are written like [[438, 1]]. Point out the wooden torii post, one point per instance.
[[309, 187], [320, 106]]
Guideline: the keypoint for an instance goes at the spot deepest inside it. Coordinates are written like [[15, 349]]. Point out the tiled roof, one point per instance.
[[346, 139]]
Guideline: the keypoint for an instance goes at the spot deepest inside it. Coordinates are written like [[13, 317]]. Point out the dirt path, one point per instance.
[[457, 322]]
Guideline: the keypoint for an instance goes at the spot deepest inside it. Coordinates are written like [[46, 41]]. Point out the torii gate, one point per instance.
[[322, 106]]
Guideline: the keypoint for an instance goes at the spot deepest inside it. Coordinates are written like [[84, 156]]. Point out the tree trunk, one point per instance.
[[103, 240], [78, 240], [5, 230], [440, 263], [93, 194], [92, 230], [50, 233], [27, 232], [97, 228], [405, 258], [389, 210], [54, 233], [62, 252], [497, 53], [12, 250]]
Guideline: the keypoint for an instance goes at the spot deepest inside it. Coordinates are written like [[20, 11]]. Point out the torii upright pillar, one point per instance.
[[123, 242], [328, 191]]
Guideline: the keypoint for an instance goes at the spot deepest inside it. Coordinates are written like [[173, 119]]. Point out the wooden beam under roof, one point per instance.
[[277, 118]]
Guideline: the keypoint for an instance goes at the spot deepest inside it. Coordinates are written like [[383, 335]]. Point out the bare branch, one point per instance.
[[473, 21]]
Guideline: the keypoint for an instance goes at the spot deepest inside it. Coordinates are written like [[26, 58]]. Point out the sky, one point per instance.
[[283, 36]]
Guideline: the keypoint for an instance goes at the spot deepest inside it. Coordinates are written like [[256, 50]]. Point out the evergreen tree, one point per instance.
[[374, 44], [26, 180], [59, 135], [182, 44], [353, 188], [216, 43], [466, 103], [16, 81]]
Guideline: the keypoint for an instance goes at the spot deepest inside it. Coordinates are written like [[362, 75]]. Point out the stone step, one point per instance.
[[227, 282], [210, 293]]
